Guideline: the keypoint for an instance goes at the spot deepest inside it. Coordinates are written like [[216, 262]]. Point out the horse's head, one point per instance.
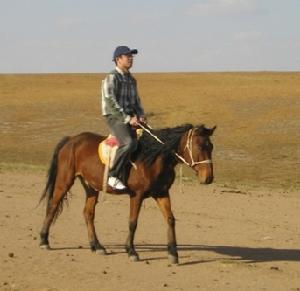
[[196, 148]]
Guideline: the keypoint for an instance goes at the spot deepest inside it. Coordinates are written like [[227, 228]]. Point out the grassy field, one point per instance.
[[257, 114]]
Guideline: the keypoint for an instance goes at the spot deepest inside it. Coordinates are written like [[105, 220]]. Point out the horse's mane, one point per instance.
[[149, 148]]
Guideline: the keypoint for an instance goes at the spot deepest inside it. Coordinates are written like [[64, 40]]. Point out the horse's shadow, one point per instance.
[[246, 254], [233, 253]]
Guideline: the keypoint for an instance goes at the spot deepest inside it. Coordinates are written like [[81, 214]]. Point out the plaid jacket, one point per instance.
[[120, 97]]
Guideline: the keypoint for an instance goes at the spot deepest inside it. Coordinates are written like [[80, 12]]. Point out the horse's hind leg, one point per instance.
[[64, 182], [89, 215]]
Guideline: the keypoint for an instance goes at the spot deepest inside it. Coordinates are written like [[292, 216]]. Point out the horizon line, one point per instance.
[[156, 72]]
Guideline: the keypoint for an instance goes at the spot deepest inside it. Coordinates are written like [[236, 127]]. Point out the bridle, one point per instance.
[[188, 146]]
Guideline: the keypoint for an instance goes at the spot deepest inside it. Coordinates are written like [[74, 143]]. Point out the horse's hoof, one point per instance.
[[101, 252], [45, 247], [173, 260], [134, 258]]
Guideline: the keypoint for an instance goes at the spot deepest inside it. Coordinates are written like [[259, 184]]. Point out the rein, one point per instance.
[[188, 145]]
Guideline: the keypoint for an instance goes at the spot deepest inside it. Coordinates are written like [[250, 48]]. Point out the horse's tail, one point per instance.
[[52, 173]]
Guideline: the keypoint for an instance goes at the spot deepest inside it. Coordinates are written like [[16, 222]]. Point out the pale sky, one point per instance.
[[48, 36]]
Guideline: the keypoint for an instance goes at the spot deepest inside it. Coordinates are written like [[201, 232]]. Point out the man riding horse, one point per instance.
[[156, 157], [122, 109]]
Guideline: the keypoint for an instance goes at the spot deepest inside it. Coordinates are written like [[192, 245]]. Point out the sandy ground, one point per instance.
[[229, 239]]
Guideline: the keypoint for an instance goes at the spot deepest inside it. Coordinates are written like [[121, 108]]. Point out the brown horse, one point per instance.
[[152, 177]]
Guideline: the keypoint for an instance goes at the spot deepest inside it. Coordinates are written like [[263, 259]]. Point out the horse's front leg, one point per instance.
[[164, 204], [135, 206]]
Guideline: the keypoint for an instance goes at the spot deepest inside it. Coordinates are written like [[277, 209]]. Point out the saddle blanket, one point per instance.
[[107, 148]]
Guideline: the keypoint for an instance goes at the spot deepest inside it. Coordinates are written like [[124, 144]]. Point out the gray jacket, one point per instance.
[[120, 97]]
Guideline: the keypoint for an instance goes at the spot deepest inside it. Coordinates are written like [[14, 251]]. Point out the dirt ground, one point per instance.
[[229, 239], [240, 233]]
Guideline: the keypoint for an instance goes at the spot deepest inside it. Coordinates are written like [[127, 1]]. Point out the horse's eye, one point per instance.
[[202, 147], [210, 145], [207, 145]]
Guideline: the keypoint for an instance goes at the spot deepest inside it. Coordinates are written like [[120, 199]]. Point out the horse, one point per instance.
[[152, 176]]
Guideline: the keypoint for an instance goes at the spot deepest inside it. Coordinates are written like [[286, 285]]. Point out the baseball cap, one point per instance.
[[123, 50]]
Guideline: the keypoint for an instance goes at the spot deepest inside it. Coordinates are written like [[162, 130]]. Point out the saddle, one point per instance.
[[107, 152], [107, 148]]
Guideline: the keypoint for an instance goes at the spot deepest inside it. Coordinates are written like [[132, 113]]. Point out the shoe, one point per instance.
[[116, 183]]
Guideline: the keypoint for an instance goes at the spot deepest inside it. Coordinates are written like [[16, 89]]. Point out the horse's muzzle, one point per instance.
[[207, 180], [205, 174]]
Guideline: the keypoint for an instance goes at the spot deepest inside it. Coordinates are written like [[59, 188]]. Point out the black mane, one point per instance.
[[149, 148]]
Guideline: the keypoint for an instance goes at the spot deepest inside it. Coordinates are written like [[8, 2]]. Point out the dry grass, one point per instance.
[[257, 114]]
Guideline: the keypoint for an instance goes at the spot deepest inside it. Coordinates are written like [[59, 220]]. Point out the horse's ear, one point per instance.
[[212, 130]]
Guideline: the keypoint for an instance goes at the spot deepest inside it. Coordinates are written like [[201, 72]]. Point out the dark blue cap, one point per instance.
[[123, 50]]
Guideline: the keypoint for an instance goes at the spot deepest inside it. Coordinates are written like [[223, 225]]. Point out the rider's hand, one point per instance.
[[143, 119], [133, 121]]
